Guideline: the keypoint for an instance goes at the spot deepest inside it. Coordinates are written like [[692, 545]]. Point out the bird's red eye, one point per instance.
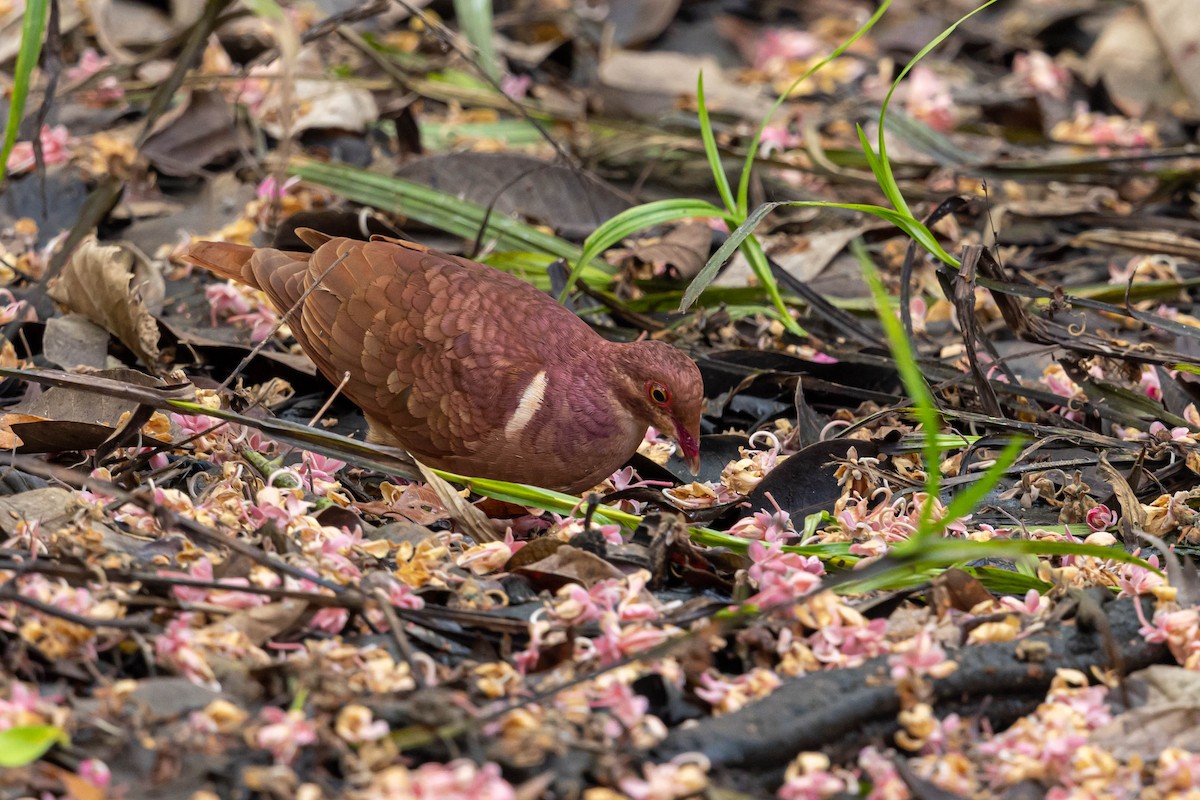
[[658, 393]]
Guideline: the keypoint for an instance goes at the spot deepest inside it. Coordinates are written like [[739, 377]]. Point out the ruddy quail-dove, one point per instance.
[[470, 369]]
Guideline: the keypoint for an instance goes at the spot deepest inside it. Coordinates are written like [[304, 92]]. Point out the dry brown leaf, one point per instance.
[[1168, 717], [73, 340], [261, 623], [319, 104], [52, 506], [8, 439], [1128, 58], [472, 520], [569, 564], [625, 86], [685, 248], [115, 287], [63, 419], [77, 787], [1178, 30]]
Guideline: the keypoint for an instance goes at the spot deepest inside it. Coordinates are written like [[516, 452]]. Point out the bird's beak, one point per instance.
[[689, 446]]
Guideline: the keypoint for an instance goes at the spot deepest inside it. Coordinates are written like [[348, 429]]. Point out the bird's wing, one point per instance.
[[439, 351]]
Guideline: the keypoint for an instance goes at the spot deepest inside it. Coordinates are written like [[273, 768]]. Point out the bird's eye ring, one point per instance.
[[658, 393]]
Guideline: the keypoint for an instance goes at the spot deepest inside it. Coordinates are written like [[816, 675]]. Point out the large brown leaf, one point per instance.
[[118, 289]]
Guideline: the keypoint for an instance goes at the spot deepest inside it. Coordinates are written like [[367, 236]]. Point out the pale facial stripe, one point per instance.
[[531, 402]]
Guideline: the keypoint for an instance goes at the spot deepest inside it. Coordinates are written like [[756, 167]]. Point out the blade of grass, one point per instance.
[[762, 270], [432, 207], [743, 194], [475, 20], [913, 379], [887, 181], [937, 554], [913, 227], [33, 28], [631, 221], [711, 152]]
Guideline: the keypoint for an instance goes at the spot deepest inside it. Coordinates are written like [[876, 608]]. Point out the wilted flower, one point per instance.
[[24, 706], [1134, 580], [920, 655], [230, 301], [202, 570], [457, 780], [1087, 127], [356, 724], [1038, 71], [686, 775], [283, 733], [781, 577], [12, 308], [730, 694], [766, 526], [747, 472], [928, 99], [107, 90], [95, 772], [886, 783], [320, 472], [779, 45], [1179, 629], [1100, 517], [810, 777], [1032, 605], [516, 86], [55, 150], [271, 189]]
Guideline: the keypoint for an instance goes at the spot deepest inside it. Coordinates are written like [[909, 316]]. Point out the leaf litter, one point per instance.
[[213, 587]]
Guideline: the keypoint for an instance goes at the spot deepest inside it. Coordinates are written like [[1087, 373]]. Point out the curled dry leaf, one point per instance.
[[623, 87], [319, 104], [116, 287], [568, 564], [473, 521], [685, 248], [1128, 58], [261, 623], [202, 130]]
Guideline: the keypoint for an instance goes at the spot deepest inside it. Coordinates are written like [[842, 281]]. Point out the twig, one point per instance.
[[396, 629]]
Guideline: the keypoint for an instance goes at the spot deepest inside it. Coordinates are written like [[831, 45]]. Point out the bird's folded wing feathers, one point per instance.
[[427, 331]]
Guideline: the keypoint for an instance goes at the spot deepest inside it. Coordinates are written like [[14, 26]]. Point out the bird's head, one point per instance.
[[669, 393]]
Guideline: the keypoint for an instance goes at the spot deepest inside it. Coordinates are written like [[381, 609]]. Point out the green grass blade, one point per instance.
[[475, 21], [762, 270], [883, 174], [633, 220], [743, 194], [968, 500], [711, 151], [33, 28], [435, 208], [917, 565], [267, 9], [913, 379], [709, 272], [887, 180], [910, 226]]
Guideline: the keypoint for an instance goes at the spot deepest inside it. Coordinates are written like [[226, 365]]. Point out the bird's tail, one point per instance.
[[222, 258]]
